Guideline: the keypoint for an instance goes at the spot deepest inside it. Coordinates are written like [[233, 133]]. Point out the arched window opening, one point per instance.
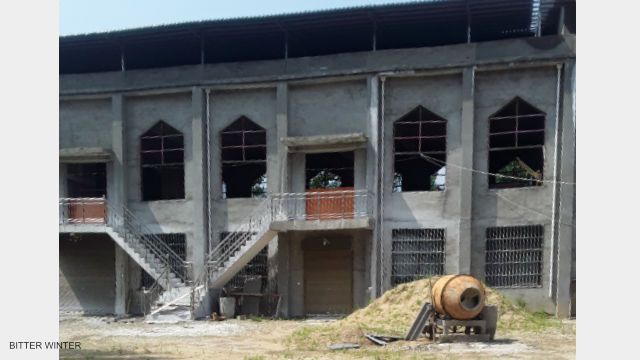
[[162, 161], [516, 143], [420, 151], [244, 159]]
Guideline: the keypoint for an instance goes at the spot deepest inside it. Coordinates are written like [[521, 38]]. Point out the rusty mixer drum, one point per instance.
[[459, 296]]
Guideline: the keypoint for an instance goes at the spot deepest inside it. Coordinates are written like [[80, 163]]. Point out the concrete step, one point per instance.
[[172, 314]]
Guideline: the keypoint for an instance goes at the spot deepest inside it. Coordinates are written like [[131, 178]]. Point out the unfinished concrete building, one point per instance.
[[330, 154]]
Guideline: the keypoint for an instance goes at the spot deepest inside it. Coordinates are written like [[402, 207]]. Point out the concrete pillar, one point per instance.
[[282, 273], [466, 178], [196, 173], [282, 130], [122, 282], [134, 277], [279, 184], [117, 176], [117, 196], [373, 163], [359, 285], [296, 276], [62, 180], [566, 192]]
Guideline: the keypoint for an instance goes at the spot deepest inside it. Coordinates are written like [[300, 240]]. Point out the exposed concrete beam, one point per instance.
[[557, 47], [520, 65]]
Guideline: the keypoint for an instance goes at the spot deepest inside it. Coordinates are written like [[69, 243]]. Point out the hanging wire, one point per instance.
[[444, 163]]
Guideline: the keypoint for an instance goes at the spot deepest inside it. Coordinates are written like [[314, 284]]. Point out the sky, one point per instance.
[[83, 16]]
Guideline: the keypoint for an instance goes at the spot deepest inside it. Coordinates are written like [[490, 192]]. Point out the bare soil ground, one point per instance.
[[104, 338]]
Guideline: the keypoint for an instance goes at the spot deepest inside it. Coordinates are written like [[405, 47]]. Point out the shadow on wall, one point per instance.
[[87, 273]]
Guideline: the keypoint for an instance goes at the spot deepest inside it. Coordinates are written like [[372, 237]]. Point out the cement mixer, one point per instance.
[[457, 302]]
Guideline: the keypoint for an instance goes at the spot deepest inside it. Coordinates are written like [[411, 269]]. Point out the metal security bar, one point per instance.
[[322, 205], [514, 256], [416, 253]]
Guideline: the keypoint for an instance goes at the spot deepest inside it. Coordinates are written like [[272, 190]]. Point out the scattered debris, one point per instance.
[[216, 317], [343, 346], [382, 340]]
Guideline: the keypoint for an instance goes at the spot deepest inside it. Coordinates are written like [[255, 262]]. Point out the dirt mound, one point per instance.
[[394, 312]]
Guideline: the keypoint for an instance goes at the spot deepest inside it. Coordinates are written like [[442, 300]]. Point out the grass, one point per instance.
[[393, 313], [518, 318]]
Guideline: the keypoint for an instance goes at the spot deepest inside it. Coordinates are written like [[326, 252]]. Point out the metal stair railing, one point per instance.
[[258, 223], [139, 236], [277, 207], [151, 294]]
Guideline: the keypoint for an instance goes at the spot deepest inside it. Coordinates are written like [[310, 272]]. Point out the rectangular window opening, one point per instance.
[[86, 180]]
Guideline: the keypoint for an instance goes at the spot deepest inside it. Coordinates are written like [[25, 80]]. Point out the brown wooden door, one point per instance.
[[328, 278]]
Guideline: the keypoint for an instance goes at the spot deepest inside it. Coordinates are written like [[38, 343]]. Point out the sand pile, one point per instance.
[[394, 312]]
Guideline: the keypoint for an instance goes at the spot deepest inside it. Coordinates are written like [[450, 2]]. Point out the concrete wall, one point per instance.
[[141, 114], [519, 206], [85, 123], [441, 95], [87, 274], [331, 108], [259, 105]]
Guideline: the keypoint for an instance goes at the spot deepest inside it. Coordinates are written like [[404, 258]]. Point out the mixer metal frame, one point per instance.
[[442, 328]]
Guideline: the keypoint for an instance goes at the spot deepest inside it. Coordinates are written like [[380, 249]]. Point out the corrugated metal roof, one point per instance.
[[393, 12], [311, 33], [231, 20]]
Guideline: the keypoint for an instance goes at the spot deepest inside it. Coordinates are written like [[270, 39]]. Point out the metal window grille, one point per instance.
[[516, 141], [416, 253], [514, 256], [177, 243], [420, 151], [256, 267]]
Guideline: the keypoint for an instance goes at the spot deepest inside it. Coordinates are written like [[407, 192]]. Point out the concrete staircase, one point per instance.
[[146, 260], [232, 253], [158, 260]]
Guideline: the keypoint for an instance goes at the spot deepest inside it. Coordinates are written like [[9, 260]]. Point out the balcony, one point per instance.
[[327, 209], [82, 214]]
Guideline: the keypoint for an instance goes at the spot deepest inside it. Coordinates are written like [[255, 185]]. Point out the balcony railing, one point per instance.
[[327, 204], [82, 211]]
